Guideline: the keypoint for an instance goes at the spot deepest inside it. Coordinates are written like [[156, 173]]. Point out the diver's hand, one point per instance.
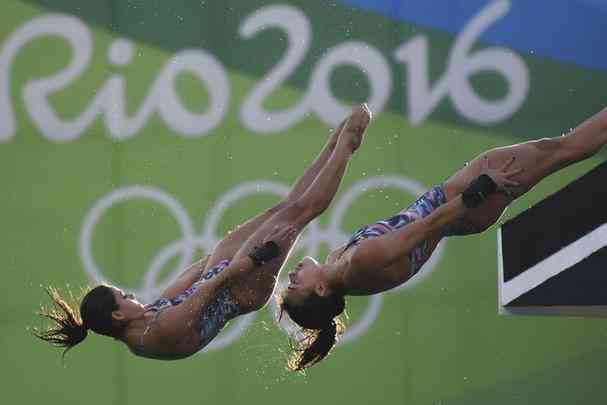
[[502, 176], [282, 235]]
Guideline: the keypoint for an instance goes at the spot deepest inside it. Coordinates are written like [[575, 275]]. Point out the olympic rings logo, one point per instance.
[[185, 248]]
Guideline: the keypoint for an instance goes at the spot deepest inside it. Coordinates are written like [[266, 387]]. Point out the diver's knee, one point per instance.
[[548, 145]]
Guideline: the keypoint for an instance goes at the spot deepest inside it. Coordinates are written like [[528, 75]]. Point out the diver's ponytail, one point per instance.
[[317, 345], [322, 327], [68, 329]]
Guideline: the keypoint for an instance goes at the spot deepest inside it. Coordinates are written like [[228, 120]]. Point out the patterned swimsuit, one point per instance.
[[213, 317], [421, 208]]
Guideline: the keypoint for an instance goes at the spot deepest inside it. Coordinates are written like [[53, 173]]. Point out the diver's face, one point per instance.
[[127, 304], [303, 280]]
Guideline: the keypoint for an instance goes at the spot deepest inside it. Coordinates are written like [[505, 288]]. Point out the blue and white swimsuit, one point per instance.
[[215, 315]]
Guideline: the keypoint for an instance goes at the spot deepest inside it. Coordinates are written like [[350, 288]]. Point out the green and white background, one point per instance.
[[133, 134]]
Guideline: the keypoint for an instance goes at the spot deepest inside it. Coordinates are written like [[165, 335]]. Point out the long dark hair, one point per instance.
[[318, 317], [70, 325]]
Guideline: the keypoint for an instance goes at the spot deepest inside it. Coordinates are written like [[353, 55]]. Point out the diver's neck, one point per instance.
[[137, 326], [334, 277]]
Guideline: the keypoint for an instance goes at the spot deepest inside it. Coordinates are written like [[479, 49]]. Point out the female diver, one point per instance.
[[387, 253], [237, 278]]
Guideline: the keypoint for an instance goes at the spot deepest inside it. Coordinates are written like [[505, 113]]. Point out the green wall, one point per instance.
[[437, 341]]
